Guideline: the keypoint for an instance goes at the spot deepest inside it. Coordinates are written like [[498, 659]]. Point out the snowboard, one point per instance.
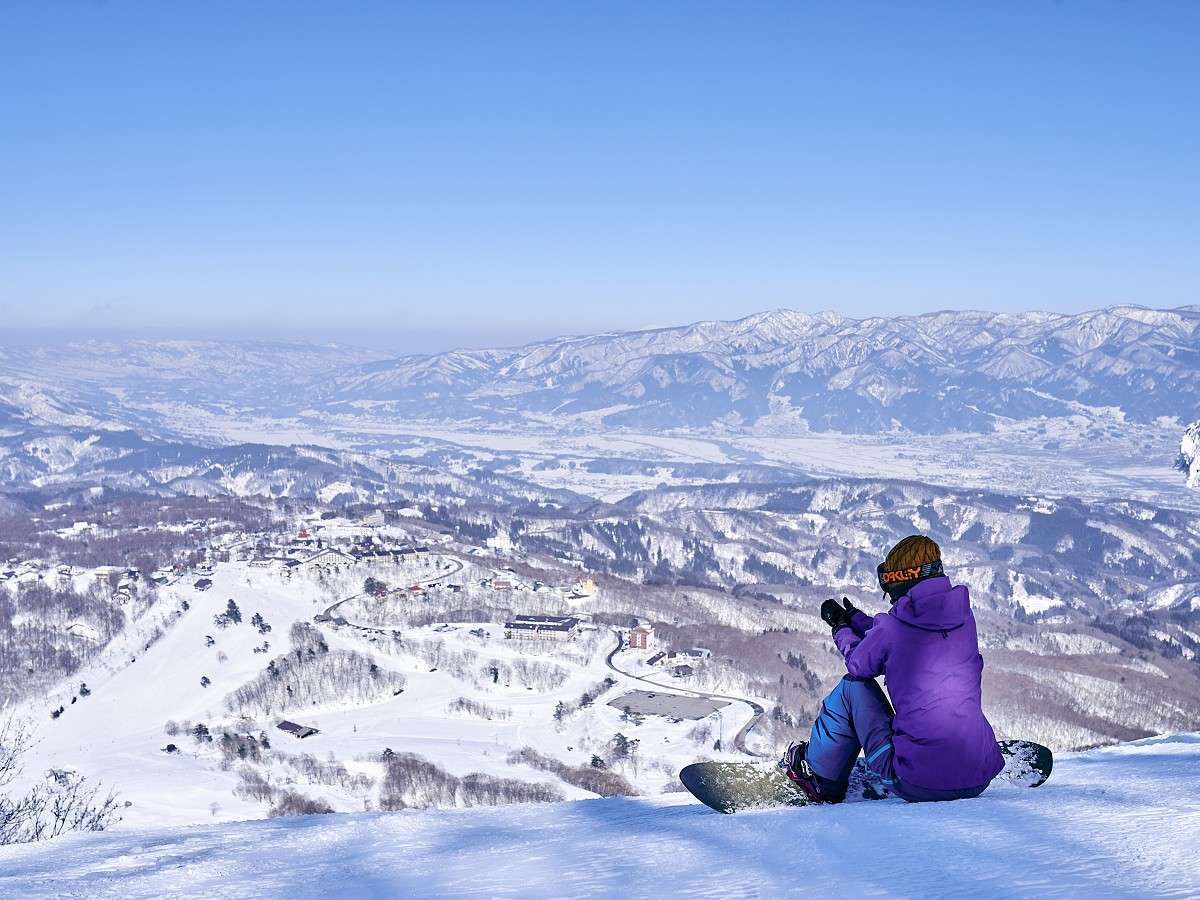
[[732, 787]]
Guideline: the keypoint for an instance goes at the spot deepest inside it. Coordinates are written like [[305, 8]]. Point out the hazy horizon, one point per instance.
[[429, 340]]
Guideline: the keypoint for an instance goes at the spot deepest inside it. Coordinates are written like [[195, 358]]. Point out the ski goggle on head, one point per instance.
[[912, 573]]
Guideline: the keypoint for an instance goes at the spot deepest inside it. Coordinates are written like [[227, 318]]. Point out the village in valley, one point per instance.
[[350, 661]]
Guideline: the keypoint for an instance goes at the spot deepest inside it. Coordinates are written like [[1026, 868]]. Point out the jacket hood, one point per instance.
[[934, 605]]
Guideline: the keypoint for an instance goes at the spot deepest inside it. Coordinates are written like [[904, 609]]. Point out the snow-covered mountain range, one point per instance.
[[948, 371], [48, 465], [132, 384]]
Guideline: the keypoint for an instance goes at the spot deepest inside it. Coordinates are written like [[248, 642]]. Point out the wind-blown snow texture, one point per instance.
[[1118, 822]]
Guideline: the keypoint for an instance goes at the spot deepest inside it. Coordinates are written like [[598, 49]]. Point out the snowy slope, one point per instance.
[[116, 734], [1119, 822]]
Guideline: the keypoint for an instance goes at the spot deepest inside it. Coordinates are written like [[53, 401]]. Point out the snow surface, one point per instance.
[[1118, 822]]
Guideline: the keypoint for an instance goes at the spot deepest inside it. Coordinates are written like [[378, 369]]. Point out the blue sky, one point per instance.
[[427, 174]]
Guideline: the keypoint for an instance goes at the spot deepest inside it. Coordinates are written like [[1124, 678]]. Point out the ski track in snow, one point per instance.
[[1119, 822]]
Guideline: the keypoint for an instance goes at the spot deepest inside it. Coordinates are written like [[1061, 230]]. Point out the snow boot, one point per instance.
[[800, 773]]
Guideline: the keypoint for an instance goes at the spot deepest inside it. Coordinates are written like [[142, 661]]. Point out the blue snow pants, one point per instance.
[[857, 716]]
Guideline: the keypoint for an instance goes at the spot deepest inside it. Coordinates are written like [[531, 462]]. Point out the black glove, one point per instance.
[[835, 615], [851, 609]]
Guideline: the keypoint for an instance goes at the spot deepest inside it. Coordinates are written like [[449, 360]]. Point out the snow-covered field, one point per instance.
[[1066, 456], [1118, 822], [1055, 458]]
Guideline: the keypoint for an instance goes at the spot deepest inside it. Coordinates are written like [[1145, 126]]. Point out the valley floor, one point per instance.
[[1118, 822]]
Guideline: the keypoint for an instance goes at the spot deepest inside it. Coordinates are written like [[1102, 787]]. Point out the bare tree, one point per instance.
[[291, 803], [595, 778], [46, 810]]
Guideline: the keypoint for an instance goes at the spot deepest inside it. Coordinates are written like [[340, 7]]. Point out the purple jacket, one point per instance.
[[927, 648]]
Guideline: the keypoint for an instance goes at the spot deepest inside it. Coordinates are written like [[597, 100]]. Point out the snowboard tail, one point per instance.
[[730, 787], [1025, 763]]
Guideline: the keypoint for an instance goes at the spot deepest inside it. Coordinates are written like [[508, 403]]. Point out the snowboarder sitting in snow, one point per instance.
[[937, 744]]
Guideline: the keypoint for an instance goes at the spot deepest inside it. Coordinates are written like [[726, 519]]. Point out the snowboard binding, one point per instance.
[[794, 765]]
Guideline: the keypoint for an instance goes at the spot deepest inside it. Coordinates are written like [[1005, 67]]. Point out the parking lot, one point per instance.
[[675, 706]]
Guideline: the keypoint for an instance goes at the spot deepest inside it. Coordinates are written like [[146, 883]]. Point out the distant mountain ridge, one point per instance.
[[780, 370], [946, 371], [117, 384], [65, 464]]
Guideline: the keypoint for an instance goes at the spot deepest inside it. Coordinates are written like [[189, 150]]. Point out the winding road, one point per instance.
[[739, 739]]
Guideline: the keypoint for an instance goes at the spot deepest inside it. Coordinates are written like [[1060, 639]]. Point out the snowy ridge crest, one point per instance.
[[1189, 454]]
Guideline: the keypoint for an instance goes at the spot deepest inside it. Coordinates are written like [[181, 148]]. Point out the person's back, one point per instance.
[[933, 672], [937, 744]]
